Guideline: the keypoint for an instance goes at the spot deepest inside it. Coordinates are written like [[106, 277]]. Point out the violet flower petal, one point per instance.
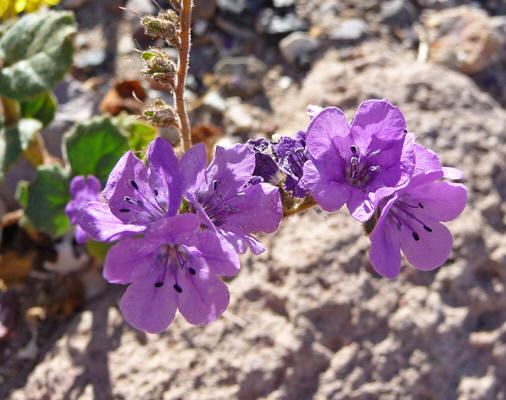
[[124, 257], [376, 120], [164, 174], [328, 193], [431, 249], [385, 252], [218, 254], [144, 306], [97, 220], [204, 297]]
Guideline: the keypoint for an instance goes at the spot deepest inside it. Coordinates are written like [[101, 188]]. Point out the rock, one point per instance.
[[90, 59], [214, 101], [75, 4], [351, 30], [238, 120], [283, 3], [271, 23], [204, 9], [297, 44], [462, 38], [398, 13], [242, 75], [232, 6], [141, 7]]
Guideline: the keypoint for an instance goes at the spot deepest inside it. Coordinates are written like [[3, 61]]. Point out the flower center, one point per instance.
[[172, 258], [140, 203], [404, 213], [214, 203], [361, 168]]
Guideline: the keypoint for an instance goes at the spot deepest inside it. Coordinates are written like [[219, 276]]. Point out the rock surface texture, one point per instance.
[[309, 318]]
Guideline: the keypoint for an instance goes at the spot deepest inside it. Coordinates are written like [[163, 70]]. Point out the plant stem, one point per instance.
[[11, 110], [306, 204], [184, 57]]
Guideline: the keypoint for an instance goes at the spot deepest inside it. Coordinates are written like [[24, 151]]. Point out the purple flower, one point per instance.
[[358, 164], [410, 219], [82, 191], [265, 166], [137, 196], [174, 266], [291, 154], [227, 199]]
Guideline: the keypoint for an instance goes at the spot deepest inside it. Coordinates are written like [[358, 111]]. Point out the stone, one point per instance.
[[398, 12], [297, 44], [271, 23], [242, 76], [350, 30], [462, 38]]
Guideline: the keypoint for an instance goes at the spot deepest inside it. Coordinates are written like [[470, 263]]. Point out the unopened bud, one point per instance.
[[160, 67], [161, 114], [164, 26]]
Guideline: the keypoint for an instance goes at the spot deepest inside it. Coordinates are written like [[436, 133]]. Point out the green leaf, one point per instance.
[[36, 53], [98, 249], [139, 135], [94, 147], [41, 107], [14, 140], [22, 193], [46, 199]]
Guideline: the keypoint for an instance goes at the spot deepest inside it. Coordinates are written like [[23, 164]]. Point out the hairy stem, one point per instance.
[[305, 205], [184, 57]]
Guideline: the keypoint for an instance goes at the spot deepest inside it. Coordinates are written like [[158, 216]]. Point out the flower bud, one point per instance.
[[160, 67], [164, 26], [161, 114]]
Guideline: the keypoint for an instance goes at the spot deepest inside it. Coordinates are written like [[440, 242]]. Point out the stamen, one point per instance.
[[158, 284], [177, 288], [405, 131], [353, 160], [353, 149], [427, 228], [124, 210], [415, 236], [375, 153], [420, 205], [155, 191], [354, 175], [374, 168], [134, 184], [215, 184], [129, 200], [191, 271]]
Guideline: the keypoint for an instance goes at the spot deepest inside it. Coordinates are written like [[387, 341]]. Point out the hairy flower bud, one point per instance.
[[164, 26], [160, 67], [161, 114]]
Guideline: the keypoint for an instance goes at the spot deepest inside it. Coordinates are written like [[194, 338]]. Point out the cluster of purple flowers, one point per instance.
[[180, 223]]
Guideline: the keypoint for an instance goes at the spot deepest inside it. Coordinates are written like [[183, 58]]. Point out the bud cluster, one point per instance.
[[161, 114], [160, 67], [164, 26]]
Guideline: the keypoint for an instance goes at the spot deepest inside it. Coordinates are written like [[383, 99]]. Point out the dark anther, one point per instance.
[[405, 131], [427, 228], [129, 200], [124, 210], [140, 203], [354, 175], [415, 236], [134, 184], [420, 205], [156, 192], [191, 271], [177, 288], [158, 284], [353, 149], [215, 184]]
